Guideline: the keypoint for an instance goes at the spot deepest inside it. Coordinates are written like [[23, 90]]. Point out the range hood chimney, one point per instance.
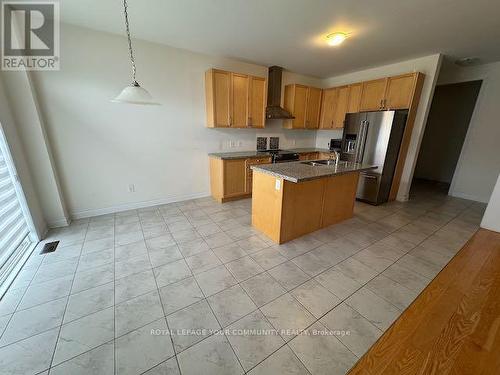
[[274, 109]]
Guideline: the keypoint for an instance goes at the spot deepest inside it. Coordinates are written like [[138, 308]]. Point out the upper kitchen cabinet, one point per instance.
[[234, 100], [304, 104], [388, 93], [313, 107], [334, 107], [218, 98], [341, 105], [239, 100], [373, 95], [257, 102], [400, 91], [327, 108], [354, 97]]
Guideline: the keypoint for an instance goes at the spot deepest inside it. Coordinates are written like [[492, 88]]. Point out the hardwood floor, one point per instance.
[[453, 327]]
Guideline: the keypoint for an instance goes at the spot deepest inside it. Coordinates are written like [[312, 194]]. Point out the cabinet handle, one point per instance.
[[230, 120], [249, 121]]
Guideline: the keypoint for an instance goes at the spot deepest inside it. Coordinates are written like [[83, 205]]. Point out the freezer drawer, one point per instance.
[[368, 187]]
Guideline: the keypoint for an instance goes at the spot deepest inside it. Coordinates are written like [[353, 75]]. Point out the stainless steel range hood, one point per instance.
[[274, 109]]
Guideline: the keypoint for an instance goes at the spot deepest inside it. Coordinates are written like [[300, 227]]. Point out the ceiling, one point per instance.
[[291, 33]]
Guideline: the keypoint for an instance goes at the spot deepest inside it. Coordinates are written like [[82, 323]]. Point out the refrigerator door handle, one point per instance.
[[361, 143], [369, 176]]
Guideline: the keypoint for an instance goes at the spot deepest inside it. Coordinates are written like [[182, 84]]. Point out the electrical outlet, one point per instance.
[[232, 144], [240, 143], [293, 142], [131, 188], [277, 184]]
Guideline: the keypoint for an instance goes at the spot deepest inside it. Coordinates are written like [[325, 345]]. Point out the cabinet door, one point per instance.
[[239, 101], [234, 177], [257, 102], [399, 91], [295, 103], [313, 107], [303, 156], [326, 155], [354, 97], [221, 98], [341, 107], [249, 171], [327, 108], [373, 94]]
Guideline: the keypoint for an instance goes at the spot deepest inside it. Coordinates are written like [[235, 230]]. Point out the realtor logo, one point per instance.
[[30, 35]]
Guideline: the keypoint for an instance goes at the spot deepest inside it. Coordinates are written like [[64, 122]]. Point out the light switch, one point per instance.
[[277, 185]]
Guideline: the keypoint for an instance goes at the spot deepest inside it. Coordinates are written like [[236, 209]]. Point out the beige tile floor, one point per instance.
[[191, 288]]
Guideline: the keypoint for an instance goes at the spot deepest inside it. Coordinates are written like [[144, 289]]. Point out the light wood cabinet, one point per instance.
[[231, 179], [400, 91], [354, 97], [326, 155], [334, 106], [313, 107], [234, 177], [218, 98], [239, 100], [340, 109], [234, 99], [327, 108], [388, 93], [309, 156], [373, 95], [257, 102], [304, 104], [249, 171]]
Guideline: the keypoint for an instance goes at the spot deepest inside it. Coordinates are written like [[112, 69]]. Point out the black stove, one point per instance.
[[281, 156]]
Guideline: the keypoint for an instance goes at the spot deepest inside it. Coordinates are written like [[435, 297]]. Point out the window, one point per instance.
[[17, 237]]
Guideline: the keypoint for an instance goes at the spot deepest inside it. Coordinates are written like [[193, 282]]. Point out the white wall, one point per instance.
[[479, 162], [429, 65], [100, 148], [23, 104], [17, 150], [491, 218]]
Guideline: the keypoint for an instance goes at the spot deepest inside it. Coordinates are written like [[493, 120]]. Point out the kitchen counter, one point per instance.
[[299, 172], [258, 154], [292, 199]]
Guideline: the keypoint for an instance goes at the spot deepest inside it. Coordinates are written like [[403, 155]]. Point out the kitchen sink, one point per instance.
[[319, 163], [316, 163]]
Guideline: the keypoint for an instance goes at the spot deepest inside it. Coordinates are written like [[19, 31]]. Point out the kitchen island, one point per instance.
[[292, 199]]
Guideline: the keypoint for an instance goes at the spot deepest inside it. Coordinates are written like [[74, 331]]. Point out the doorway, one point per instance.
[[449, 118], [17, 234]]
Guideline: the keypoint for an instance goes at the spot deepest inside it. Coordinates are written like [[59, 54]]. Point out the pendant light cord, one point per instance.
[[131, 52]]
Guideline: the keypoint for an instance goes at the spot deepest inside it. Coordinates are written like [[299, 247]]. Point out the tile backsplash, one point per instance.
[[261, 143], [274, 143]]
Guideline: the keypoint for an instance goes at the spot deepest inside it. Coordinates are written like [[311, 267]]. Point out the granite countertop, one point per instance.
[[258, 154], [299, 172]]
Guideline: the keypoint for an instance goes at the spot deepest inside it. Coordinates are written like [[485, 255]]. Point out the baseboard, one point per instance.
[[64, 222], [133, 206], [471, 197]]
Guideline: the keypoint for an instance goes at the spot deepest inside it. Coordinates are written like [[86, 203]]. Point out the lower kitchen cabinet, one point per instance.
[[231, 179], [308, 156]]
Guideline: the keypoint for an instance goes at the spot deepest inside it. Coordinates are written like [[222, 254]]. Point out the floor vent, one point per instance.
[[49, 247]]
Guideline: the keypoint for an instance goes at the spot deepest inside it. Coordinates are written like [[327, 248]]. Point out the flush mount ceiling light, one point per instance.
[[133, 94], [335, 39]]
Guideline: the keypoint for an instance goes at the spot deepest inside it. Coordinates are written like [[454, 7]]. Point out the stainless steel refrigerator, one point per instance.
[[374, 138]]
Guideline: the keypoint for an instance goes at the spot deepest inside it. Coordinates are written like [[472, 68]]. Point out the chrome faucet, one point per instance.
[[337, 157]]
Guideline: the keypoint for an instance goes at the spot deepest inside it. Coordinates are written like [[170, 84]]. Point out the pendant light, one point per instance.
[[133, 94]]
